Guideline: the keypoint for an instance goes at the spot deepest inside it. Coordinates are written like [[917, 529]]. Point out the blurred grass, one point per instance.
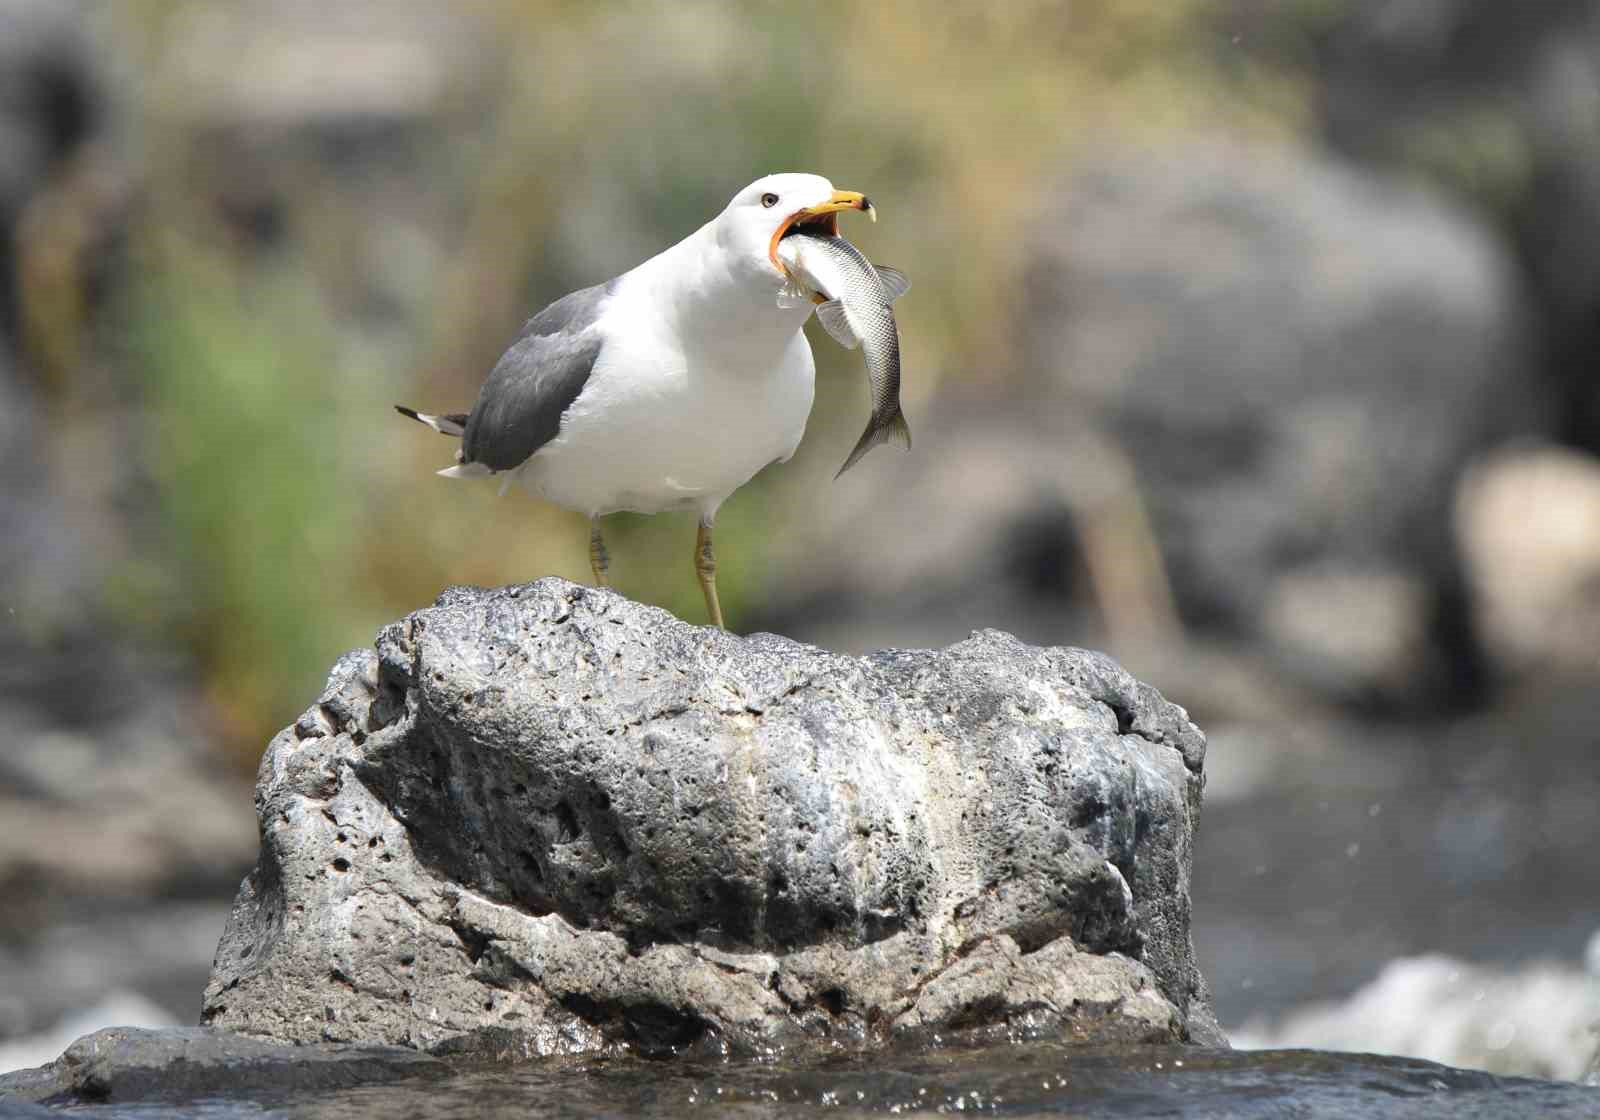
[[295, 276], [246, 450]]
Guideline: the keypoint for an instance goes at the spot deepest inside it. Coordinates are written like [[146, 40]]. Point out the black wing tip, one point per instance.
[[451, 424]]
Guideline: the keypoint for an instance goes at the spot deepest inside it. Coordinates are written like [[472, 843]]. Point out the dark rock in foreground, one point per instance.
[[1043, 1079], [545, 819], [185, 1063]]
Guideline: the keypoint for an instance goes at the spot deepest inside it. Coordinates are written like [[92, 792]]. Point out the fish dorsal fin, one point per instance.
[[833, 319], [895, 283]]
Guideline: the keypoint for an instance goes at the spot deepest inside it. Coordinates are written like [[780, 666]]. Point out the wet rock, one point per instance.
[[546, 819], [185, 1063], [16, 1108]]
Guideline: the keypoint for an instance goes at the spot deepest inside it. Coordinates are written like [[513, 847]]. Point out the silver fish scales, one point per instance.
[[857, 312]]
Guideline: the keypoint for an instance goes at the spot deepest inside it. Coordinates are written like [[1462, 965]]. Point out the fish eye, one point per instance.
[[769, 200]]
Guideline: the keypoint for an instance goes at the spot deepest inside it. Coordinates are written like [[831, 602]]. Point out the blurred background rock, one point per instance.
[[1253, 343]]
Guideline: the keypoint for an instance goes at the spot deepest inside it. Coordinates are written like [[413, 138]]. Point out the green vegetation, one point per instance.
[[258, 496]]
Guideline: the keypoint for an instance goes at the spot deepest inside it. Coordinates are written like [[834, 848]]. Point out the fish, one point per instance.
[[855, 310]]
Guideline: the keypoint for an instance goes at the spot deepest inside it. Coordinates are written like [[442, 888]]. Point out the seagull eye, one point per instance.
[[769, 200]]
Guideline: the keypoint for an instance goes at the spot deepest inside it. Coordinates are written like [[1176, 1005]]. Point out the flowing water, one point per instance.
[[1022, 1080]]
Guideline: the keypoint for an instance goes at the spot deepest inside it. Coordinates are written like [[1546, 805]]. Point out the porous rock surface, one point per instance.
[[545, 819]]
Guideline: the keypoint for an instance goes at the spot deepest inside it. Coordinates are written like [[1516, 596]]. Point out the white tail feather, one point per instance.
[[466, 470]]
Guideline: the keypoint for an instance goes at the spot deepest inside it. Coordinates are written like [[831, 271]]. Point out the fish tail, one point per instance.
[[898, 430], [879, 431]]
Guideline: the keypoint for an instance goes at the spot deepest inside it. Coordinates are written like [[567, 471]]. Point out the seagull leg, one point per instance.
[[705, 566], [599, 558]]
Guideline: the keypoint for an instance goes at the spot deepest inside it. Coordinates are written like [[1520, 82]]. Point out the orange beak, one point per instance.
[[824, 216]]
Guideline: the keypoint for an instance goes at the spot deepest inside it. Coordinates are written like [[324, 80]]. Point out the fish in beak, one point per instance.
[[854, 297], [822, 218]]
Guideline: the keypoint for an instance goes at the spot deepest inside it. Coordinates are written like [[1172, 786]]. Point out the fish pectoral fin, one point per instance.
[[793, 293], [834, 320], [895, 283]]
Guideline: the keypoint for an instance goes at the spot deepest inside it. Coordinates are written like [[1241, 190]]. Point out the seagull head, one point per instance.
[[759, 216]]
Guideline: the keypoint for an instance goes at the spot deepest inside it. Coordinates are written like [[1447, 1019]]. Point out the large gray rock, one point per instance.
[[544, 818]]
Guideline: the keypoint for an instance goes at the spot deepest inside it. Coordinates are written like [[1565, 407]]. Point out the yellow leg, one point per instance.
[[705, 566], [599, 558]]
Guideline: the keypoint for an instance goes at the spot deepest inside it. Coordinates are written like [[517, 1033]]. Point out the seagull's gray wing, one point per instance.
[[519, 409]]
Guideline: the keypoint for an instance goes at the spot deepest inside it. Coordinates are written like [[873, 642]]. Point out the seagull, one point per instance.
[[665, 388]]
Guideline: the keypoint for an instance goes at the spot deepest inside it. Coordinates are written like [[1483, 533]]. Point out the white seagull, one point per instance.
[[665, 388]]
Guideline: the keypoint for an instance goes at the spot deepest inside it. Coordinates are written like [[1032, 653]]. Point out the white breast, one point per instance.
[[676, 417]]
